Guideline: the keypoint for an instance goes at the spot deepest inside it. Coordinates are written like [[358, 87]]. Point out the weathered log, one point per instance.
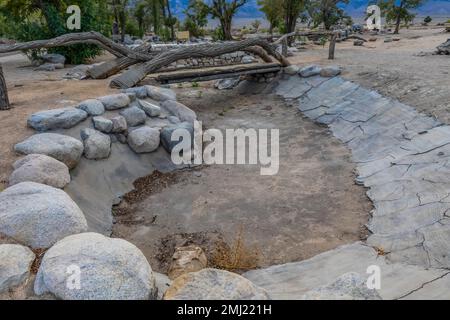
[[76, 38], [303, 34], [133, 76], [4, 100], [218, 72]]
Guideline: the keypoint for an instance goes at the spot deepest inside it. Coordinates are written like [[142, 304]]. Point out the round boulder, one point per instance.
[[179, 110], [309, 71], [134, 116], [108, 269], [38, 215], [115, 101], [41, 169], [61, 147], [15, 263], [102, 124], [92, 106], [97, 145], [330, 71], [144, 139], [213, 284], [150, 109]]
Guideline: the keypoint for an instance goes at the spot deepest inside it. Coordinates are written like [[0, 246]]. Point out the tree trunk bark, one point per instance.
[[226, 28], [332, 47], [398, 19], [4, 100]]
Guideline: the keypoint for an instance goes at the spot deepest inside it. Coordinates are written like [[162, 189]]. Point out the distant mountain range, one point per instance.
[[355, 8]]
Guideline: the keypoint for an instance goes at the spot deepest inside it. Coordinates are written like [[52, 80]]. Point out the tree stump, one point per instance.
[[4, 101]]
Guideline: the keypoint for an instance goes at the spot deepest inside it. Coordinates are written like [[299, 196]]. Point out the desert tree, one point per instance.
[[224, 10], [397, 11], [196, 17], [273, 11], [119, 8], [326, 12]]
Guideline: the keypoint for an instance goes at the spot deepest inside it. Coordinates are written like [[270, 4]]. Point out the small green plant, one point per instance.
[[194, 84], [427, 20]]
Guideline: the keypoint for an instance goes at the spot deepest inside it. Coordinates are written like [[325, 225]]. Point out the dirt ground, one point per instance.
[[312, 205]]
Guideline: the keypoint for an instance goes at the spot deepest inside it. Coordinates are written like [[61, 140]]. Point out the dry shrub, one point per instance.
[[236, 258]]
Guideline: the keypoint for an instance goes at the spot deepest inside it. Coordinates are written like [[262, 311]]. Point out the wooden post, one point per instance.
[[4, 101], [332, 46], [284, 46]]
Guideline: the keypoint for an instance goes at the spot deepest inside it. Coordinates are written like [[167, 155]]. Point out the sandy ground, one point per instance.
[[311, 206], [395, 69]]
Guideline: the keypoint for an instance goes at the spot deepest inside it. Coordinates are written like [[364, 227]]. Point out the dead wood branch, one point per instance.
[[133, 76]]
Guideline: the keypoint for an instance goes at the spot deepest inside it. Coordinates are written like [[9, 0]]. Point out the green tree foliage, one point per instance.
[[196, 17], [397, 11], [327, 12], [427, 20], [43, 19], [224, 10], [273, 10]]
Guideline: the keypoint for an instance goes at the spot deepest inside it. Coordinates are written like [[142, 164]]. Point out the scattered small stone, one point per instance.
[[61, 147], [213, 284], [144, 139], [372, 39], [115, 101], [149, 108], [92, 106], [97, 145], [119, 124], [187, 259], [102, 124], [395, 39], [54, 58], [134, 116], [112, 269], [38, 215], [388, 40], [330, 71], [247, 59], [15, 264], [227, 84], [41, 169], [358, 43], [63, 118], [309, 71]]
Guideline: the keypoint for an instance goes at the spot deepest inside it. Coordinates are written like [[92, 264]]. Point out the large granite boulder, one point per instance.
[[41, 169], [115, 101], [119, 124], [144, 139], [166, 135], [292, 69], [179, 110], [61, 147], [38, 215], [15, 263], [149, 108], [63, 118], [160, 94], [110, 269], [213, 284], [350, 286], [92, 106], [97, 145], [134, 116]]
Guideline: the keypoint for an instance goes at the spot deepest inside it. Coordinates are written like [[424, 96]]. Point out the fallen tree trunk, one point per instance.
[[76, 38], [133, 76], [4, 100]]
